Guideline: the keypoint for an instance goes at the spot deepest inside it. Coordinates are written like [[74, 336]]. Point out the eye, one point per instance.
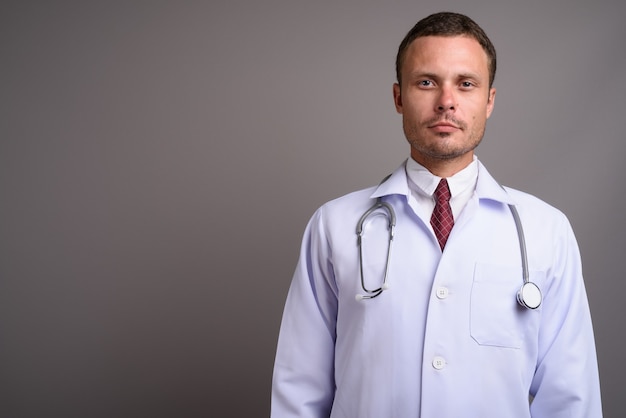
[[467, 84], [425, 83]]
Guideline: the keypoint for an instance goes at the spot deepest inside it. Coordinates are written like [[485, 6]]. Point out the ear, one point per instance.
[[397, 97], [491, 101]]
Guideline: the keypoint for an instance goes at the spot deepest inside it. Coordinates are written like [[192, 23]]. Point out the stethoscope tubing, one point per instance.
[[391, 216], [528, 296]]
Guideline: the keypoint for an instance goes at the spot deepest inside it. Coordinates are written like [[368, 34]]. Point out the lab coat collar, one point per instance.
[[486, 186]]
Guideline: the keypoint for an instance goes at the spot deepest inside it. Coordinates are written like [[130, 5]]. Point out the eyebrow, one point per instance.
[[421, 74]]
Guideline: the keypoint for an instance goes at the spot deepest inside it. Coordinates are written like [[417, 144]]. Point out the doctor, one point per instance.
[[446, 337]]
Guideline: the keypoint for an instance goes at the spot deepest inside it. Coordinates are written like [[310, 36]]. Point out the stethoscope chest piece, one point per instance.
[[529, 295]]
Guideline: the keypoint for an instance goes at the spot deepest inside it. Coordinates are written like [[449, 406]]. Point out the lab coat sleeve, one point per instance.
[[566, 382], [303, 381]]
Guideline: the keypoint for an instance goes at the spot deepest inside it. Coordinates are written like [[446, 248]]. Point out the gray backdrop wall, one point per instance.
[[159, 161]]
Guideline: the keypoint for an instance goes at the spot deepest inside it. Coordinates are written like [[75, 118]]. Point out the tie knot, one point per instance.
[[442, 192]]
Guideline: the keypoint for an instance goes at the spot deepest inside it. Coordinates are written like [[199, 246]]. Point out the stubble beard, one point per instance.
[[445, 148]]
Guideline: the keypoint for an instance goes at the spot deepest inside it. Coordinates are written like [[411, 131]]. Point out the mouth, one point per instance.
[[444, 127]]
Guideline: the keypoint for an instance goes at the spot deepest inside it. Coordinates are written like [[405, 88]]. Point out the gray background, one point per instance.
[[159, 161]]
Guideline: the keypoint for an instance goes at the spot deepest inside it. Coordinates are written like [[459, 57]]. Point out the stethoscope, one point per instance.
[[529, 295]]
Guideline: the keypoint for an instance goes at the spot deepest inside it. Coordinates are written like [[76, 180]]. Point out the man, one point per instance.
[[436, 329]]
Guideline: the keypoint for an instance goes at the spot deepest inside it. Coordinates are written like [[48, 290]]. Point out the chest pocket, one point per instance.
[[496, 319]]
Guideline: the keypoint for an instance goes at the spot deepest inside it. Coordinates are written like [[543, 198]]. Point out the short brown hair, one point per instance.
[[448, 24]]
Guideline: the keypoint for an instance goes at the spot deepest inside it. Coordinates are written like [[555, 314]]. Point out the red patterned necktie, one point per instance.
[[442, 219]]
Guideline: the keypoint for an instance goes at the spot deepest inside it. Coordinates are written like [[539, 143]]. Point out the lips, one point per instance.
[[445, 122], [444, 127]]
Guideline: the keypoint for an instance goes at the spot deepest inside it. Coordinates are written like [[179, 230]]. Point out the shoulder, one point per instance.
[[490, 189], [528, 201], [356, 198], [339, 217], [540, 214], [394, 184], [345, 209]]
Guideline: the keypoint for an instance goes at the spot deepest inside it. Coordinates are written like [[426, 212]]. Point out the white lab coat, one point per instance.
[[448, 339]]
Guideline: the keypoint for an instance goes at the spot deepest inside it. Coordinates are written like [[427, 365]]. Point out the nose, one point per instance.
[[446, 100]]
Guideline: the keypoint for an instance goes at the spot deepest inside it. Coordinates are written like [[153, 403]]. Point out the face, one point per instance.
[[444, 100]]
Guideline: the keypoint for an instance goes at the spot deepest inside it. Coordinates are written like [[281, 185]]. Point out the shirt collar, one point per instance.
[[426, 182], [486, 186]]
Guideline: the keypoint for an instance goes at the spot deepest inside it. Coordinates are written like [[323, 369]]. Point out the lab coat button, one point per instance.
[[439, 363], [442, 292]]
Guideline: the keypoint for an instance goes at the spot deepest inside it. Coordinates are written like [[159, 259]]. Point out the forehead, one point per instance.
[[446, 53]]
